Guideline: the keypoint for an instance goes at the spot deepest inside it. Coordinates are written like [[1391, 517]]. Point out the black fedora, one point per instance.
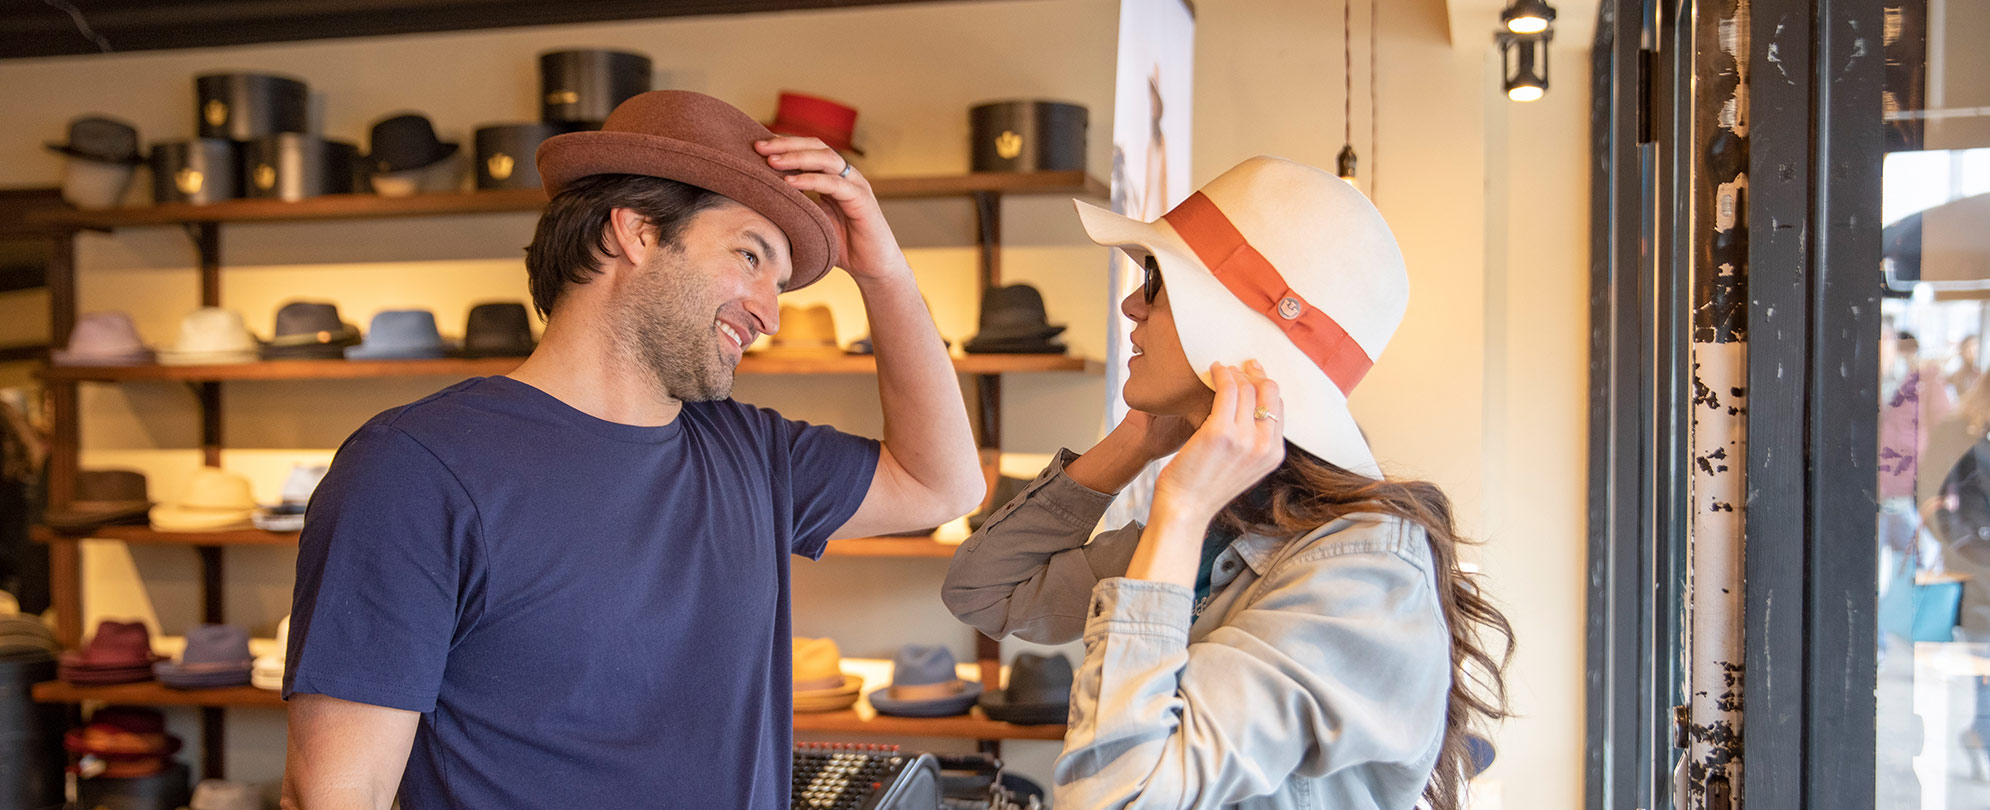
[[1039, 692], [406, 142], [105, 140], [498, 330], [310, 330], [1013, 321]]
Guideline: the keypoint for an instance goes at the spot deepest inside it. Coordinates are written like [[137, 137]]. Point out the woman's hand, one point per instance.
[[870, 251], [1240, 443]]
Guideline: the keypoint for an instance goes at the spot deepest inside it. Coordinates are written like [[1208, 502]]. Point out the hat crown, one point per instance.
[[505, 319], [1325, 238], [213, 329], [806, 327], [105, 333], [403, 327], [101, 138], [692, 117], [405, 142], [306, 317], [217, 489], [922, 665], [216, 643], [119, 641], [1037, 678], [110, 485], [817, 659]]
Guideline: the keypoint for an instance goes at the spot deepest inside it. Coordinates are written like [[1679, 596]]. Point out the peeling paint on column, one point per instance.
[[1718, 265]]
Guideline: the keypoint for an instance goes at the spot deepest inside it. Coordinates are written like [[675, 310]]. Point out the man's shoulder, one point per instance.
[[439, 420]]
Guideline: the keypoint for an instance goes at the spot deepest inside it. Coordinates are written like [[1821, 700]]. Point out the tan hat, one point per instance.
[[805, 332], [820, 683], [212, 335], [214, 500], [1282, 263], [696, 139]]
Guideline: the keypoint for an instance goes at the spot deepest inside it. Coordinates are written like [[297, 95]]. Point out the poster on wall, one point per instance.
[[1152, 121]]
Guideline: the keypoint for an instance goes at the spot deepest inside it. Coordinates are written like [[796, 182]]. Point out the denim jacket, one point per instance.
[[1315, 677]]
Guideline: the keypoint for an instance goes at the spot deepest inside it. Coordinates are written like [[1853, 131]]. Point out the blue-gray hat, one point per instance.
[[924, 684], [400, 334]]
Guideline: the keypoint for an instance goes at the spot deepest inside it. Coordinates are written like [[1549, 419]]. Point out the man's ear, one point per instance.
[[631, 235]]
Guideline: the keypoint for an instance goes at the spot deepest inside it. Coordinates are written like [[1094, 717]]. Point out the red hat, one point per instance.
[[816, 117]]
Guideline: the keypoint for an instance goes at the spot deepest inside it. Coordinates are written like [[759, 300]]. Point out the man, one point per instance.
[[568, 586]]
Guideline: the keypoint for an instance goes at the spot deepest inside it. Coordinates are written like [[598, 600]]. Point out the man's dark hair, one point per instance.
[[574, 234]]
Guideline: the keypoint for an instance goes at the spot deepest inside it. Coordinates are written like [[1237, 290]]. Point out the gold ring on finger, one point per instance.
[[1263, 413]]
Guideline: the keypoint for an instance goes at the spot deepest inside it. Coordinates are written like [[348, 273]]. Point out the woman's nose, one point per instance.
[[1134, 306]]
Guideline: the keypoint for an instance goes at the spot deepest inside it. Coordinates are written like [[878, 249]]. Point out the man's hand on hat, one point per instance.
[[870, 251], [1240, 443]]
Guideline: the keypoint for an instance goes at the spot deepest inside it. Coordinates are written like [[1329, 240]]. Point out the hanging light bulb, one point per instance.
[[1346, 163], [1527, 16], [1524, 65]]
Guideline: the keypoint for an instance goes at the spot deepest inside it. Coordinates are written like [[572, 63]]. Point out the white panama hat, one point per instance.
[[1282, 263]]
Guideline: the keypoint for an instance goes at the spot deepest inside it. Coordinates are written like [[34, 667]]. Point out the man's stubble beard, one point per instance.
[[669, 333]]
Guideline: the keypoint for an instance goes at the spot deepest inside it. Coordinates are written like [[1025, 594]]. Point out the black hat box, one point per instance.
[[202, 170], [345, 173], [506, 154], [1028, 136], [170, 788], [583, 87], [293, 166], [245, 106]]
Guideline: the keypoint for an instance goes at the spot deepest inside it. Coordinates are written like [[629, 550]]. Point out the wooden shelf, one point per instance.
[[489, 366], [151, 536], [372, 206], [153, 693], [897, 547], [888, 547], [975, 726]]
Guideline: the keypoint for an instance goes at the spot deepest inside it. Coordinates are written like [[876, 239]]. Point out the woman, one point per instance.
[[1289, 629]]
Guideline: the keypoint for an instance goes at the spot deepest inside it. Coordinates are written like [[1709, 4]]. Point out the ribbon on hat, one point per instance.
[[1252, 278]]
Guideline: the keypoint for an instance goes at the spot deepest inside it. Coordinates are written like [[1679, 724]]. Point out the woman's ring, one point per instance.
[[1263, 413]]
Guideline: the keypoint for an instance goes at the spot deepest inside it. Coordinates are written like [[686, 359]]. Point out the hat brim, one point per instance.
[[66, 149], [363, 352], [96, 515], [996, 707], [1218, 328], [939, 707], [174, 518], [812, 244], [835, 140]]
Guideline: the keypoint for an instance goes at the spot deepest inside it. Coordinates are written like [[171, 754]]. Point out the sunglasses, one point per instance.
[[1151, 285]]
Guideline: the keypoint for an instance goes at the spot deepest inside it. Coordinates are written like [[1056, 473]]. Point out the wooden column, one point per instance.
[[213, 722], [65, 566]]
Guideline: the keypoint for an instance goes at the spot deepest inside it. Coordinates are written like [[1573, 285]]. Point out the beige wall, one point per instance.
[[1482, 391]]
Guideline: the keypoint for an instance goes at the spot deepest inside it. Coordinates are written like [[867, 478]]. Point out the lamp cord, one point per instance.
[[1347, 70], [1374, 116]]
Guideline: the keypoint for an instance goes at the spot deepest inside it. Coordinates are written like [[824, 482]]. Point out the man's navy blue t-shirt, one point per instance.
[[585, 613]]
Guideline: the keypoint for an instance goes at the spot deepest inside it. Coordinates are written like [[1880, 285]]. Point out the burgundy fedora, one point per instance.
[[696, 139]]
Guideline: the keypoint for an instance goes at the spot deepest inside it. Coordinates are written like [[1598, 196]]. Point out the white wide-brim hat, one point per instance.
[[1282, 263]]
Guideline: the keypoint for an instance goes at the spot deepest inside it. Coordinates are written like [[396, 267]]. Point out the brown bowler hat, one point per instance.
[[696, 139]]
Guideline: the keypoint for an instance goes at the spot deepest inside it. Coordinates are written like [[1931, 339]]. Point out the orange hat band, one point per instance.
[[1252, 278]]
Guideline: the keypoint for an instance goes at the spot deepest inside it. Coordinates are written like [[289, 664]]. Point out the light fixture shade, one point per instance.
[[1527, 16], [1524, 65]]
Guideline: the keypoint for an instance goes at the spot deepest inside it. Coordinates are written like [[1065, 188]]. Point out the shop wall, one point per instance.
[[1481, 392]]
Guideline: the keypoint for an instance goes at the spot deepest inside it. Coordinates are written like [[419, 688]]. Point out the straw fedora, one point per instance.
[[212, 335], [805, 332], [696, 139], [1288, 265], [215, 500], [820, 684]]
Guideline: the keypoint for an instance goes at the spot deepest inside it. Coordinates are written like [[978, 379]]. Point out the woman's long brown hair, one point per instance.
[[1305, 493]]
